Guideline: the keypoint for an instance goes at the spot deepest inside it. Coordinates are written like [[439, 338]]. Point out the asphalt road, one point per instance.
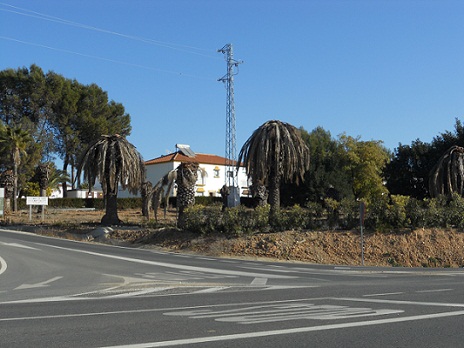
[[60, 293]]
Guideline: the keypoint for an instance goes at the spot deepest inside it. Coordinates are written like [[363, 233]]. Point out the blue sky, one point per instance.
[[382, 70]]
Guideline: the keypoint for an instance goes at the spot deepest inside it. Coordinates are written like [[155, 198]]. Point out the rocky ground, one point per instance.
[[419, 248]]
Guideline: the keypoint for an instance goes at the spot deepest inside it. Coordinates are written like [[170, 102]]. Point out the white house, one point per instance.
[[213, 165]]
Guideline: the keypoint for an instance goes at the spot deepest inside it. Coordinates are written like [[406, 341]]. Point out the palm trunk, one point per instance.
[[186, 179], [185, 198], [146, 192], [15, 189], [274, 199], [111, 213], [111, 204]]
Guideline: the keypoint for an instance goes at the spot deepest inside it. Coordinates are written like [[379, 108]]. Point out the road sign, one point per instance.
[[37, 200]]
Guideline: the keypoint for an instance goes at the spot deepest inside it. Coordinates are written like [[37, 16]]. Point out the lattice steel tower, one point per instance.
[[231, 180]]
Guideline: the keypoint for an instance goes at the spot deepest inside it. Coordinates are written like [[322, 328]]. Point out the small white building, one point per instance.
[[212, 165]]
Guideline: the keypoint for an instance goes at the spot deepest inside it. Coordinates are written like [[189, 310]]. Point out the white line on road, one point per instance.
[[3, 265], [17, 245], [384, 294], [435, 304], [210, 290], [435, 290], [37, 285], [259, 282], [288, 331], [171, 265], [141, 292]]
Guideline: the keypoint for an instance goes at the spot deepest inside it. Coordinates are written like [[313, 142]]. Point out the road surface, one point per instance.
[[61, 293]]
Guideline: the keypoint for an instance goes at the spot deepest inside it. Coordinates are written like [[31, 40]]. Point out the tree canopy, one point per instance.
[[61, 115]]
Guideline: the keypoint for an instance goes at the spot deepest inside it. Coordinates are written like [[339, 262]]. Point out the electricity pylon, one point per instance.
[[231, 180]]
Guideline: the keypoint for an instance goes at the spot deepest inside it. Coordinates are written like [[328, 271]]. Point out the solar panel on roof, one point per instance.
[[185, 150]]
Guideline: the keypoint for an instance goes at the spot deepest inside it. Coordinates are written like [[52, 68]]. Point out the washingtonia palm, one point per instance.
[[185, 176], [447, 176], [274, 153], [113, 161]]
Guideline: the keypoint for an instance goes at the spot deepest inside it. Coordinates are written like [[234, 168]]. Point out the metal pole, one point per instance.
[[362, 210]]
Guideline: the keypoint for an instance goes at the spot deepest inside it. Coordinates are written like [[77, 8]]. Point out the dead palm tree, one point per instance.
[[113, 161], [274, 153], [447, 176]]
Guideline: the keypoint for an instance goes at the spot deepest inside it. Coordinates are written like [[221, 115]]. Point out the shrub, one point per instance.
[[348, 213], [416, 212], [396, 212], [454, 214]]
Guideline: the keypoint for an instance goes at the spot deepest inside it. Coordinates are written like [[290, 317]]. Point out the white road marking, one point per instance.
[[212, 289], [259, 282], [372, 300], [170, 265], [288, 331], [3, 265], [17, 245], [141, 292], [436, 290], [283, 312], [37, 285], [384, 294]]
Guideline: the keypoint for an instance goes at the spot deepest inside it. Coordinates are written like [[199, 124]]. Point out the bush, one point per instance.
[[454, 213], [348, 213]]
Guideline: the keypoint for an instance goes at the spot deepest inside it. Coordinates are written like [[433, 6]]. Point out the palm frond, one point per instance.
[[113, 161]]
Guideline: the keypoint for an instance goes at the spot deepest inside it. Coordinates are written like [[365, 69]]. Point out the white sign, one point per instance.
[[37, 200]]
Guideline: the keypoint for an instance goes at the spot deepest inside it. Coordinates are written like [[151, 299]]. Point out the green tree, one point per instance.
[[408, 172], [49, 178], [82, 114], [273, 154], [366, 161], [325, 178], [62, 116], [113, 161]]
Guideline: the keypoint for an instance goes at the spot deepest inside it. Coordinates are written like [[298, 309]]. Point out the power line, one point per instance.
[[102, 58], [42, 16]]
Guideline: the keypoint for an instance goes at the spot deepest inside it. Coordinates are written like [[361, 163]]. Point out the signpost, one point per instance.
[[30, 201], [362, 212]]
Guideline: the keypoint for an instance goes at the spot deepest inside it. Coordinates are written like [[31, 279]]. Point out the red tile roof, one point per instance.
[[179, 157]]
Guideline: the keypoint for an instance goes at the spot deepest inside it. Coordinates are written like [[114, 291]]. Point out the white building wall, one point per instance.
[[208, 186]]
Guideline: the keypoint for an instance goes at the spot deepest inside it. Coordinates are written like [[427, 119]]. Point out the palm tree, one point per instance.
[[42, 172], [185, 176], [7, 182], [113, 161], [447, 176], [274, 153], [15, 141], [146, 191], [49, 177]]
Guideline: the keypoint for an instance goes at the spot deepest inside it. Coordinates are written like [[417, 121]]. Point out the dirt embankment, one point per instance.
[[423, 248], [420, 248]]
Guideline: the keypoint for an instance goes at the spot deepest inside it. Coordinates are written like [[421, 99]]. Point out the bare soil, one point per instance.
[[418, 248]]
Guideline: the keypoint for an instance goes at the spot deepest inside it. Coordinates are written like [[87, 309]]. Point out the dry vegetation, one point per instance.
[[420, 248]]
